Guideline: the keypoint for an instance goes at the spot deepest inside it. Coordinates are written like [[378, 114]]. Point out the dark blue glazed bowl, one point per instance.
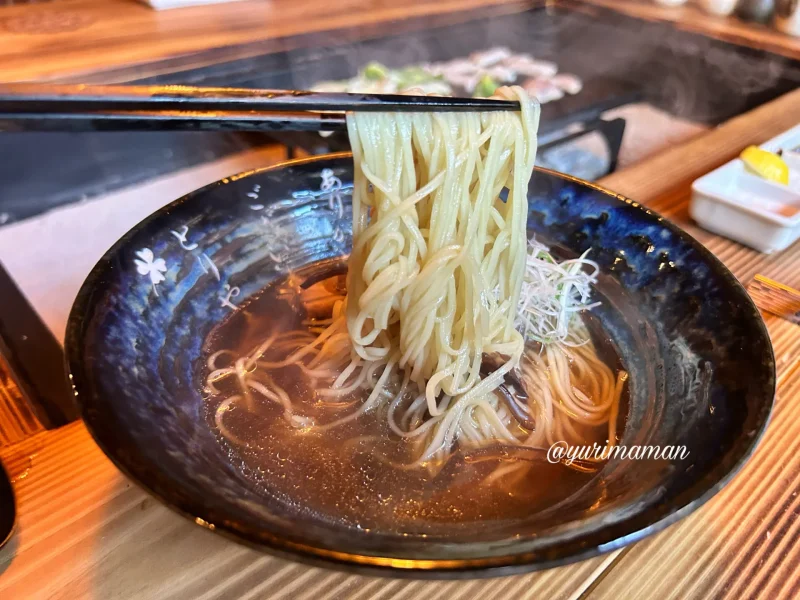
[[701, 367]]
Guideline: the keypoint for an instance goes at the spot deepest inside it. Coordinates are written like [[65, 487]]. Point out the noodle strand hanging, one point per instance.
[[450, 330]]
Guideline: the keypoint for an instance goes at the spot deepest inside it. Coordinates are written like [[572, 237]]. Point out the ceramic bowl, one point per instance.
[[701, 367]]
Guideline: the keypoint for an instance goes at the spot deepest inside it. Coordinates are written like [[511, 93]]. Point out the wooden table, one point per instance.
[[692, 18], [81, 39], [87, 531]]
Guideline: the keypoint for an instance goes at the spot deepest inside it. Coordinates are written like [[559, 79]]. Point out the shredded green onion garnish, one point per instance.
[[553, 293]]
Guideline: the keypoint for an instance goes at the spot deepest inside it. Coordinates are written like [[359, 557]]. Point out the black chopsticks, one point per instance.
[[38, 107], [18, 96], [170, 121]]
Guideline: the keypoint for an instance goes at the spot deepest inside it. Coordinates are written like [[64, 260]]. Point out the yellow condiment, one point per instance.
[[766, 164]]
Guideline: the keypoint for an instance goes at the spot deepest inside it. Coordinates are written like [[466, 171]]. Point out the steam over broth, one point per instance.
[[359, 474]]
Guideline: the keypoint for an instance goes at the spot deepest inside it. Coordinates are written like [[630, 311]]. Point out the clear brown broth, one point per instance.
[[343, 474]]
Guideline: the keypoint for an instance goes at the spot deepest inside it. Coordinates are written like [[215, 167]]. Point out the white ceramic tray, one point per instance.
[[733, 202]]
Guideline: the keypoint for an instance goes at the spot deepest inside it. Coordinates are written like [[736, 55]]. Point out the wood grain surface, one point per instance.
[[70, 38], [691, 18]]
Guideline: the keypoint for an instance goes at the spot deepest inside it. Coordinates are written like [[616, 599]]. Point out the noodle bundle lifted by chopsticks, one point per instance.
[[438, 258], [426, 335]]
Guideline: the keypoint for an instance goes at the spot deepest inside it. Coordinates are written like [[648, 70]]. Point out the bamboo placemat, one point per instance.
[[85, 531]]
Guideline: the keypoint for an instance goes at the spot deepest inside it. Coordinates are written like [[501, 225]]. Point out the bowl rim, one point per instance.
[[590, 544]]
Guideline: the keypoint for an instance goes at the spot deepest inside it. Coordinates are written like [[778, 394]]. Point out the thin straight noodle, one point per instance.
[[433, 284]]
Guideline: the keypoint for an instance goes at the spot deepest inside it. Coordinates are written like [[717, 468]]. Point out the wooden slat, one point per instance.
[[77, 37]]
